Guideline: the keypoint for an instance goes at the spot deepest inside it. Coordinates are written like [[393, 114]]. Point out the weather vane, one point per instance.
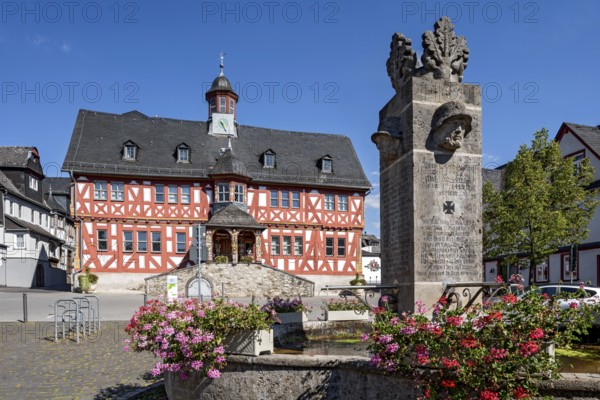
[[222, 62]]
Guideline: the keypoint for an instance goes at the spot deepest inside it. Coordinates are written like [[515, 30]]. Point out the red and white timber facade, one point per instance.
[[141, 185]]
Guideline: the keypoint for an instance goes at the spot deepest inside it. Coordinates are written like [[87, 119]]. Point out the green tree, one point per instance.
[[545, 203]]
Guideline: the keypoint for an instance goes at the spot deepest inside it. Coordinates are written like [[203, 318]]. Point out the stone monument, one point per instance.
[[429, 142]]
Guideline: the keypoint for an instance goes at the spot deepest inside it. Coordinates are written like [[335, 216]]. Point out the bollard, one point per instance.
[[25, 307], [145, 298]]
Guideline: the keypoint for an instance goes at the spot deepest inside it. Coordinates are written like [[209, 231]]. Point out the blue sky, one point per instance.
[[316, 66]]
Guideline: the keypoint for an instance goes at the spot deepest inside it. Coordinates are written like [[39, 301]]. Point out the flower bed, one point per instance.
[[287, 311], [490, 351], [188, 334], [345, 305]]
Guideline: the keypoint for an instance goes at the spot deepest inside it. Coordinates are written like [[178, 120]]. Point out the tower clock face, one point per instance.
[[222, 124]]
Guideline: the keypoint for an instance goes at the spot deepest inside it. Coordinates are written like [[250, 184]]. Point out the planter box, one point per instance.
[[292, 317], [351, 315], [249, 343]]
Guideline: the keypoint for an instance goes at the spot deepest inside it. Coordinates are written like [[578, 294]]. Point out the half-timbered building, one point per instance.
[[290, 200]]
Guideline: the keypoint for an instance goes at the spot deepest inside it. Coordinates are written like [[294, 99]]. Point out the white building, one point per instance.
[[578, 142]]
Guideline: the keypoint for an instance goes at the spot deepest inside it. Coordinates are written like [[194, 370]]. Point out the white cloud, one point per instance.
[[375, 184], [65, 47], [38, 40], [374, 172], [372, 201]]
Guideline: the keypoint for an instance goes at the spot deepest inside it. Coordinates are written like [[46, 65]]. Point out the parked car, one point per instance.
[[590, 295]]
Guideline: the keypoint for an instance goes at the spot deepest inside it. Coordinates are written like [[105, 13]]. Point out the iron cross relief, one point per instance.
[[449, 207]]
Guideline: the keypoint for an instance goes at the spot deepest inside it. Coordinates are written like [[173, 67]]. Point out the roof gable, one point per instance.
[[589, 136]]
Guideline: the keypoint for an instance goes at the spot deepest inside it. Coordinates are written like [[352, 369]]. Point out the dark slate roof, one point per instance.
[[13, 223], [495, 177], [98, 138], [232, 216], [58, 185], [20, 157], [228, 164], [6, 183], [221, 83], [589, 134]]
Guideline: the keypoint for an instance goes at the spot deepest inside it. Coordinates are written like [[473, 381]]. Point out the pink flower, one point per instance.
[[394, 321], [581, 285], [364, 337], [213, 373], [385, 339], [499, 278], [537, 333], [450, 363], [498, 354], [528, 349], [454, 321], [197, 364], [573, 305], [510, 298], [392, 348]]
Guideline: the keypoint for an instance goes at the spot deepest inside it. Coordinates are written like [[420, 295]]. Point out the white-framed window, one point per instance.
[[542, 272], [183, 154], [185, 195], [156, 242], [102, 240], [269, 160], [275, 245], [341, 250], [213, 105], [274, 198], [159, 194], [329, 202], [326, 165], [329, 247], [287, 245], [20, 244], [569, 271], [129, 152], [295, 199], [100, 191], [127, 241], [231, 106], [342, 202], [285, 199], [238, 194], [173, 198], [142, 241], [117, 191], [33, 183], [298, 245], [222, 105], [181, 242], [222, 192]]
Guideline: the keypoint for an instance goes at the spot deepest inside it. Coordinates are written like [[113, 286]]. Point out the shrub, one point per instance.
[[279, 305], [490, 351], [187, 334], [247, 259], [346, 305], [358, 280], [221, 259]]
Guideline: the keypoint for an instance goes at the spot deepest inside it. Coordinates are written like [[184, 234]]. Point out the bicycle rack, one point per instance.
[[77, 314]]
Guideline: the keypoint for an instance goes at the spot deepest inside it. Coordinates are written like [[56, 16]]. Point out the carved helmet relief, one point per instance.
[[450, 125], [445, 55]]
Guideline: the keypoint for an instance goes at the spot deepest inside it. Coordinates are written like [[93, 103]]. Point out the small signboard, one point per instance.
[[171, 287]]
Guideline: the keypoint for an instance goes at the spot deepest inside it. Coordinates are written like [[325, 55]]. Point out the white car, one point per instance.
[[591, 295]]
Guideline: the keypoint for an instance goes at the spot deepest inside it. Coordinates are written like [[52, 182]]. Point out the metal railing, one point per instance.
[[354, 291]]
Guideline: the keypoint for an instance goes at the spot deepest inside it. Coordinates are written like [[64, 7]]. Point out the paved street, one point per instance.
[[35, 367]]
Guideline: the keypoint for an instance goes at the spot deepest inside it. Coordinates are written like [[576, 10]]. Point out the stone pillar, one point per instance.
[[258, 246], [234, 246], [209, 245], [429, 141]]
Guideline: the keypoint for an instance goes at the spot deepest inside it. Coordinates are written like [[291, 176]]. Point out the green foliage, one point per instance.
[[358, 280], [490, 351], [92, 278], [345, 305], [221, 259], [544, 204], [246, 259]]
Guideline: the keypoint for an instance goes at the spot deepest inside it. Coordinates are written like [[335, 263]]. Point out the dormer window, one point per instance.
[[269, 159], [183, 153], [327, 165], [33, 183], [129, 151]]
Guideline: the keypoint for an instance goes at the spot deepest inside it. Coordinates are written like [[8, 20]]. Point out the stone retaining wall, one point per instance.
[[285, 377], [241, 280]]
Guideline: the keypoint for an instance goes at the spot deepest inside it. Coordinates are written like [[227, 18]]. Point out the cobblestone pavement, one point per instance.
[[33, 366]]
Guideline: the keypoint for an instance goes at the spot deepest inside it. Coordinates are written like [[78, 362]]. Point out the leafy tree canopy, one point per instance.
[[545, 203]]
